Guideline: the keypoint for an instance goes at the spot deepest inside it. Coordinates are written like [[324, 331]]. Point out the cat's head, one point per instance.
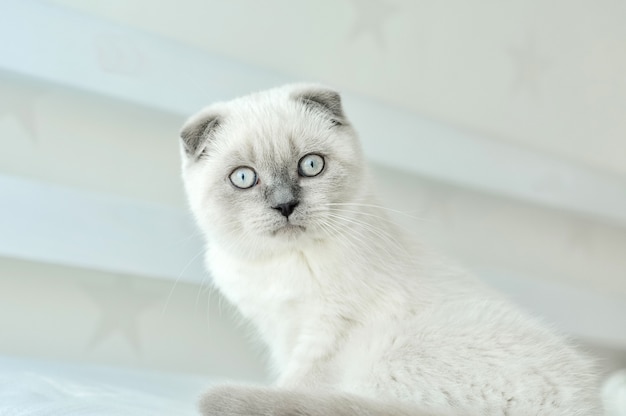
[[268, 171]]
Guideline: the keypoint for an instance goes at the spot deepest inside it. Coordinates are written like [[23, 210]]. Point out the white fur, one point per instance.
[[348, 306]]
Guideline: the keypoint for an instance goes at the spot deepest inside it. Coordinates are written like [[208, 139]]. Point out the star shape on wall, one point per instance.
[[529, 66], [120, 306], [370, 18]]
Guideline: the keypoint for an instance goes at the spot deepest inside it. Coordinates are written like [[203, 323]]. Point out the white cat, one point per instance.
[[358, 321]]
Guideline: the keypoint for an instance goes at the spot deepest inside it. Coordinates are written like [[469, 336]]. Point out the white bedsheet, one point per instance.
[[37, 388]]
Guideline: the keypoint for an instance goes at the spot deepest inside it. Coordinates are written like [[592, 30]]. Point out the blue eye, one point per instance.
[[311, 165], [243, 177]]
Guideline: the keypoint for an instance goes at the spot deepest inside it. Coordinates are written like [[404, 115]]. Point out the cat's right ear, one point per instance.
[[197, 131]]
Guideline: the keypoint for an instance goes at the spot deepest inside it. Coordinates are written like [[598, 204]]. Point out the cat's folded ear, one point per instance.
[[324, 99], [198, 130]]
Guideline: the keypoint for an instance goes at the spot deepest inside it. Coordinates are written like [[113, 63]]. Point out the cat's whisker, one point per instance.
[[379, 232], [364, 240], [361, 213], [204, 286], [209, 289], [171, 293], [397, 253], [337, 230], [360, 248], [381, 207], [183, 240], [208, 312], [235, 244], [363, 221]]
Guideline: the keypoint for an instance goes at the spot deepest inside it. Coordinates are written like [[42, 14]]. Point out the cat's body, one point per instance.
[[358, 321]]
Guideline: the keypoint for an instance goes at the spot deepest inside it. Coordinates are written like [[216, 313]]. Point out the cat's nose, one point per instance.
[[287, 208]]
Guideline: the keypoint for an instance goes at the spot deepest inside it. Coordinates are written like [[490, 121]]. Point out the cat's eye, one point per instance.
[[243, 177], [311, 165]]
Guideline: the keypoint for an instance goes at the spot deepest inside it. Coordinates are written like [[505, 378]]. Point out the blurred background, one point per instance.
[[499, 128]]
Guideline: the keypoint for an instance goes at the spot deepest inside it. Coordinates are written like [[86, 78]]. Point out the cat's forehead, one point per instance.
[[265, 128], [265, 110]]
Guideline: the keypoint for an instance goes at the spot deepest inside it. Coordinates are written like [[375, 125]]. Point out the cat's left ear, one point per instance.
[[198, 130], [325, 99]]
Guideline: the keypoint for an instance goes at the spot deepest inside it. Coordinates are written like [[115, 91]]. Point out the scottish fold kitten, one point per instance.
[[358, 321]]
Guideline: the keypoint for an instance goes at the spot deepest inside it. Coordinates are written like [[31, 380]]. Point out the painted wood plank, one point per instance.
[[54, 224]]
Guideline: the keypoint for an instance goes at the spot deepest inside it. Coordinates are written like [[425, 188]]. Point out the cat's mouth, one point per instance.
[[289, 229]]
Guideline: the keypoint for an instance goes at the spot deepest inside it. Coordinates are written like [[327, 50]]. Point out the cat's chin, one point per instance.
[[289, 230]]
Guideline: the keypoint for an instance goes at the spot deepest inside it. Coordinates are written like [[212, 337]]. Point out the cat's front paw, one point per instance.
[[234, 400]]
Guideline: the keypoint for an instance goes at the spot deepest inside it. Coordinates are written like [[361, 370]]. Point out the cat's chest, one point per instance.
[[284, 297], [277, 293]]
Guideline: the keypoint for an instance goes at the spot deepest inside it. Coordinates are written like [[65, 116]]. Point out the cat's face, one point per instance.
[[270, 170]]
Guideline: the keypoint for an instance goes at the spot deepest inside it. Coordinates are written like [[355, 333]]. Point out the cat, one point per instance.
[[358, 320]]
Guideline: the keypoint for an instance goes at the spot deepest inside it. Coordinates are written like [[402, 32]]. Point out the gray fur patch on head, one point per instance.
[[197, 131], [324, 99]]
